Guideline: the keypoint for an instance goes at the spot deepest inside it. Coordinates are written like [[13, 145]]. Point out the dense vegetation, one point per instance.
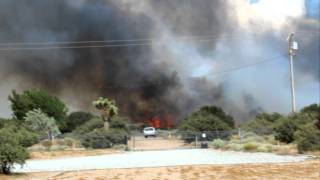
[[38, 117], [300, 128]]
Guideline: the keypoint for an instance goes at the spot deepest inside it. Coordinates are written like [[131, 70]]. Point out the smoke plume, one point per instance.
[[161, 72]]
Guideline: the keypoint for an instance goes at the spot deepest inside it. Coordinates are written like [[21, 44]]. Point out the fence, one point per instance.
[[176, 139]]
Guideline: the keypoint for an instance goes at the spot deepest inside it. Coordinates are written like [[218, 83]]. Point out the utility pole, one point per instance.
[[292, 47]]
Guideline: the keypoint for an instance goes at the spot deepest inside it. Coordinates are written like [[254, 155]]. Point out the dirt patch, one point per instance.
[[71, 153], [141, 143], [300, 170]]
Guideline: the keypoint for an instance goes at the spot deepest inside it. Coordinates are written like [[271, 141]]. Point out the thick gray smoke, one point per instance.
[[159, 78]]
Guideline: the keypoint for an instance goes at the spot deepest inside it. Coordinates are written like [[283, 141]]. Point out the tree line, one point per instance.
[[39, 116]]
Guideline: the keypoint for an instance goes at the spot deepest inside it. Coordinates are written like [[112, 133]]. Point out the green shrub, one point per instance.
[[3, 121], [265, 148], [11, 151], [120, 147], [250, 147], [308, 138], [60, 142], [263, 123], [217, 143], [25, 137], [234, 147], [89, 126], [76, 119], [119, 123], [251, 138], [208, 118], [69, 142], [287, 127], [47, 144], [102, 138], [285, 131], [271, 140], [58, 147]]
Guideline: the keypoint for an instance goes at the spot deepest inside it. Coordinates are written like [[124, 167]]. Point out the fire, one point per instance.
[[156, 121]]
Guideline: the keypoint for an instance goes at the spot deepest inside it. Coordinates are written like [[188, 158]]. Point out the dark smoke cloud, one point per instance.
[[128, 74], [144, 80], [92, 71]]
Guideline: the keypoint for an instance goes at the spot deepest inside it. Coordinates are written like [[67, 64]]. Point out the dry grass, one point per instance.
[[287, 149], [156, 144], [301, 170], [71, 153], [314, 153]]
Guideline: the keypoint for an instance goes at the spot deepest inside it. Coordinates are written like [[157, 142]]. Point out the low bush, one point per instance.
[[69, 142], [262, 123], [102, 138], [89, 126], [25, 137], [234, 147], [120, 147], [208, 119], [308, 138], [250, 147], [286, 149], [57, 147], [47, 144], [265, 148], [118, 122], [76, 119], [253, 138], [60, 142], [217, 143], [285, 130], [36, 147]]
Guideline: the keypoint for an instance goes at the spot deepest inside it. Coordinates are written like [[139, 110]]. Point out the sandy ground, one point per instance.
[[299, 170]]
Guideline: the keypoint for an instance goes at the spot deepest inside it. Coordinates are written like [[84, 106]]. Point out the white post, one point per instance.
[[292, 46], [196, 141], [293, 96]]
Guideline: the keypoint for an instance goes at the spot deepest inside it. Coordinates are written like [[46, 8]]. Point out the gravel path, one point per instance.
[[154, 159]]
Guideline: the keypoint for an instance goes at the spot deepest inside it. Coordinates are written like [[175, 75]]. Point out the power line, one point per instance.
[[265, 60], [137, 42], [149, 40], [250, 65], [108, 45]]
